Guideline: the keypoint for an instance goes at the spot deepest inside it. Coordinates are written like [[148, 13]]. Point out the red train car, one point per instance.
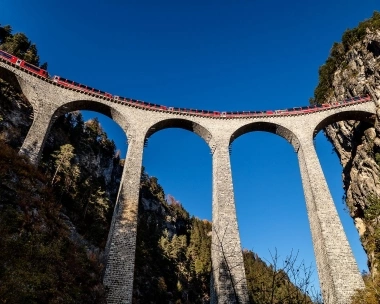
[[75, 85], [22, 63], [8, 57]]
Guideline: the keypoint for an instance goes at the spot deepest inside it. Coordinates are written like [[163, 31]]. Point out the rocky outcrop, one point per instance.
[[356, 142], [15, 113]]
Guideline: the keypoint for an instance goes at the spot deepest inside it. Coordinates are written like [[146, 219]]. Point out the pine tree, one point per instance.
[[20, 46], [63, 165]]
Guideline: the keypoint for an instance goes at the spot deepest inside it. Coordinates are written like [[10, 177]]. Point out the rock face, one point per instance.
[[357, 143], [15, 113]]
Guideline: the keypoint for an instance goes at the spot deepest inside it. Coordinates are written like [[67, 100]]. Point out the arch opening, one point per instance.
[[89, 105], [267, 127], [180, 124], [344, 116], [270, 205], [178, 176], [84, 165]]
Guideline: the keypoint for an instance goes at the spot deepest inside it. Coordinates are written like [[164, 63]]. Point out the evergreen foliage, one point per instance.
[[288, 283], [19, 45], [173, 254], [372, 220], [72, 163], [38, 261]]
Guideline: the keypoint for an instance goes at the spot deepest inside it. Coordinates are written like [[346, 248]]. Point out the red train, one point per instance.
[[77, 86], [22, 63]]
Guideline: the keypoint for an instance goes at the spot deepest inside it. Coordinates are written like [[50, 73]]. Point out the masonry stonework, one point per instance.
[[337, 269], [121, 244], [229, 282]]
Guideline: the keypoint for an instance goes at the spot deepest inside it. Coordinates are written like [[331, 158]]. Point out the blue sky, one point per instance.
[[207, 54]]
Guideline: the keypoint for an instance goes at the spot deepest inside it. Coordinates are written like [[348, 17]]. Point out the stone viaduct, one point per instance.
[[337, 269]]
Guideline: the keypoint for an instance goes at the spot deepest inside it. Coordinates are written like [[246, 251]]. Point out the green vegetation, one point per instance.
[[173, 254], [173, 259], [76, 163], [286, 282], [336, 58], [372, 235], [377, 158], [39, 262], [19, 45], [371, 239], [371, 293]]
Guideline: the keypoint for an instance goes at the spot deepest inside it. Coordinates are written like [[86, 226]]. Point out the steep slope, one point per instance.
[[39, 263], [351, 70]]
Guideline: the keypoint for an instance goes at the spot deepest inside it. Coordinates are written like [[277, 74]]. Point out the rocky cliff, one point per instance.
[[352, 70]]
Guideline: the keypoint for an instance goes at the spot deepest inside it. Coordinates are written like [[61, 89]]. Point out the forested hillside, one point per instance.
[[54, 220]]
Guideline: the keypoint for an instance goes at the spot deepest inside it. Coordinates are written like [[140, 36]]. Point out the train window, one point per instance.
[[304, 107], [61, 78], [101, 92], [31, 66], [76, 84], [6, 55], [83, 86]]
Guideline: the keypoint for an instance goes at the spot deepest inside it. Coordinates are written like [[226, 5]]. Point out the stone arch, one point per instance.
[[96, 106], [365, 116], [274, 128], [10, 77], [180, 123]]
